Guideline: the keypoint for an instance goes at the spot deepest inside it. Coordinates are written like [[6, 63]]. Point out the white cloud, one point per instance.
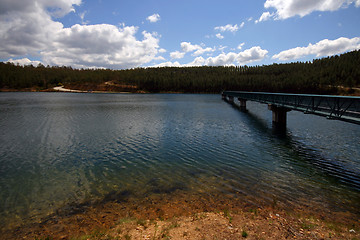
[[290, 8], [249, 55], [82, 17], [153, 18], [24, 62], [167, 64], [199, 50], [229, 27], [240, 46], [199, 61], [27, 28], [322, 48], [222, 59], [177, 55], [101, 45], [264, 17], [188, 47], [225, 59], [219, 36], [222, 48]]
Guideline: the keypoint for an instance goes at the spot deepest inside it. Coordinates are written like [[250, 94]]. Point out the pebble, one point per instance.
[[352, 231]]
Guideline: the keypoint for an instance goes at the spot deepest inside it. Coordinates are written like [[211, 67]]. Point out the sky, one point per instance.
[[123, 34]]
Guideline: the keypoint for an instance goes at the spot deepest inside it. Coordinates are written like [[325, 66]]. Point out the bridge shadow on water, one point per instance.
[[307, 156]]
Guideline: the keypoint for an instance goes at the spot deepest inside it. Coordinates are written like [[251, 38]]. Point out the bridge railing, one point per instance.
[[345, 108]]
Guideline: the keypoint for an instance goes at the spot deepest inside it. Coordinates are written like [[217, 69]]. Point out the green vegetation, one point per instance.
[[331, 75], [227, 215]]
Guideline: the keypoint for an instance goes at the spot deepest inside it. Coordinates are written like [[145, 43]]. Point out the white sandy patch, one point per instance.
[[62, 89]]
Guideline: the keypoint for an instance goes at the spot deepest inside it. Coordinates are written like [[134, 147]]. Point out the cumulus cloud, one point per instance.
[[188, 47], [290, 8], [24, 62], [197, 49], [177, 55], [28, 28], [225, 59], [247, 56], [168, 64], [153, 18], [101, 45], [322, 48], [229, 27]]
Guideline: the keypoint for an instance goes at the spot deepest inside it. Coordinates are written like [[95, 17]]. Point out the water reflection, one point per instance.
[[306, 161]]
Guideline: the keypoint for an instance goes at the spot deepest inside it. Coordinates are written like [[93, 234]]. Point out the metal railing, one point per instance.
[[344, 108]]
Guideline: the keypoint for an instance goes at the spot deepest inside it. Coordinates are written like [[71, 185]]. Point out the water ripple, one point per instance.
[[60, 149]]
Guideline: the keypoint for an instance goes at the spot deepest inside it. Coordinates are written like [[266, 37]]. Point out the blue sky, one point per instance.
[[127, 34]]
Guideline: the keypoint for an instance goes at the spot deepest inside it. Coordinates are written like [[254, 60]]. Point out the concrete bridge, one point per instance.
[[344, 108]]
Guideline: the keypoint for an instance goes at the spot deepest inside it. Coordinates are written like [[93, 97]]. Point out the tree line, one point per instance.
[[338, 74]]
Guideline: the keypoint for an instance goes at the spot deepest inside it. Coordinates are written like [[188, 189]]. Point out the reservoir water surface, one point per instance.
[[58, 149]]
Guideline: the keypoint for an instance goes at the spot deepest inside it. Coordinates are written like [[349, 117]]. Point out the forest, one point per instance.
[[338, 74]]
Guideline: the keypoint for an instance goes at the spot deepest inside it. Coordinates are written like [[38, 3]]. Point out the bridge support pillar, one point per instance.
[[242, 104], [231, 99], [278, 115]]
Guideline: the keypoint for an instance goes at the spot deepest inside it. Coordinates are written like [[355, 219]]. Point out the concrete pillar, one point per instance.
[[278, 115], [231, 99], [242, 104]]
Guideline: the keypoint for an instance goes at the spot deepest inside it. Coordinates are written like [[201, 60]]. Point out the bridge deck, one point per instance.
[[344, 108]]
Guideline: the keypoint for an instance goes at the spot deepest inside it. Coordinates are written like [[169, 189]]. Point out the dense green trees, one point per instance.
[[331, 75]]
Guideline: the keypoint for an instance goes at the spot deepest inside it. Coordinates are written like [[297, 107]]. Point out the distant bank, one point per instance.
[[336, 75]]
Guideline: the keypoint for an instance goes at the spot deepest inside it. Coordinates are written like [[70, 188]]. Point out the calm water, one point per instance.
[[63, 148]]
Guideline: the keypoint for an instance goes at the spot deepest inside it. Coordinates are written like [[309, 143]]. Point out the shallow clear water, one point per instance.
[[63, 148]]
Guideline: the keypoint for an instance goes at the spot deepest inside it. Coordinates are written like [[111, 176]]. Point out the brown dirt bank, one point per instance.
[[182, 216], [104, 87]]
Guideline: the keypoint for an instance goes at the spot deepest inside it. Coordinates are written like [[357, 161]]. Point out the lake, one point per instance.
[[59, 149]]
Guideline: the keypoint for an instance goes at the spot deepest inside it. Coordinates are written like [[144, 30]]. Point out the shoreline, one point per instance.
[[63, 89], [180, 215]]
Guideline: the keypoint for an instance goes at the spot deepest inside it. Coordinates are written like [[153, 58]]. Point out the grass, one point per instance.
[[142, 222], [244, 234], [199, 216], [227, 214], [308, 226], [165, 231], [125, 220], [255, 211], [96, 234]]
